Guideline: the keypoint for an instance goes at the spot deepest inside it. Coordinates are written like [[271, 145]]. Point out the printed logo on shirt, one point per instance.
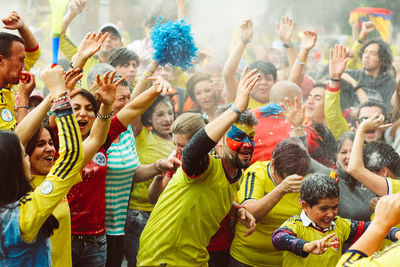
[[100, 159], [335, 239], [46, 187], [6, 115]]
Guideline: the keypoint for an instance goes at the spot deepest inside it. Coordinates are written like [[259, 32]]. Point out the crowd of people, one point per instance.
[[271, 164]]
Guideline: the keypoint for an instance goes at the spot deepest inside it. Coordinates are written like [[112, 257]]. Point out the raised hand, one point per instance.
[[373, 123], [284, 29], [12, 21], [318, 247], [53, 78], [247, 219], [309, 40], [247, 81], [76, 7], [107, 87], [387, 211], [290, 184], [294, 113], [366, 28], [337, 61], [91, 44], [161, 85], [246, 30], [71, 77]]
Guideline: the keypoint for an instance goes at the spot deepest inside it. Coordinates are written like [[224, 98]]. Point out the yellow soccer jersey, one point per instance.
[[61, 239], [389, 257], [257, 249], [393, 186], [255, 104], [308, 233], [7, 115], [186, 216], [150, 147], [36, 206]]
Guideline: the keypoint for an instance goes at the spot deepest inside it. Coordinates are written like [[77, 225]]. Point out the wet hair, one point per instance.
[[289, 157], [92, 100], [326, 143], [122, 56], [146, 117], [101, 69], [246, 117], [32, 143], [264, 68], [13, 181], [316, 187], [191, 84], [320, 84], [377, 155], [188, 124], [373, 103], [6, 40], [384, 53]]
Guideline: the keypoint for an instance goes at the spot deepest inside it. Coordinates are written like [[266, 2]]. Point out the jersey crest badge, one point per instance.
[[6, 115], [100, 159], [46, 187]]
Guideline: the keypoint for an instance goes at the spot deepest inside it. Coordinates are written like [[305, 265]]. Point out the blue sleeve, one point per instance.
[[284, 239]]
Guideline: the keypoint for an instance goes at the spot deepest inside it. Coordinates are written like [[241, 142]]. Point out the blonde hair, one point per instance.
[[188, 124]]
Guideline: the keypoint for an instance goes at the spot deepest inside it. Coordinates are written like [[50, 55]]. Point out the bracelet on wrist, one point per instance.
[[22, 107], [334, 80], [72, 67], [246, 41], [360, 41], [297, 128], [237, 111], [106, 117], [289, 45], [300, 62]]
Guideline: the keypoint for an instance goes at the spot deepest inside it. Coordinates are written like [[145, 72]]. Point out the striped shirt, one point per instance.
[[121, 166]]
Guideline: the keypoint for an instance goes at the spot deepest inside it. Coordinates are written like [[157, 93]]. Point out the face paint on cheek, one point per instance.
[[92, 116], [236, 138]]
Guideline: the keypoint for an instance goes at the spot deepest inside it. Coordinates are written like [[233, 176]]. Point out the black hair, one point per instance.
[[384, 53], [320, 84], [325, 152], [373, 103], [6, 40], [289, 157], [316, 187], [91, 99], [13, 181], [264, 68], [343, 137], [377, 155], [146, 117], [32, 143], [122, 56]]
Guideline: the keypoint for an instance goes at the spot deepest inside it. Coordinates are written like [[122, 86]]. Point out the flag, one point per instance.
[[380, 16]]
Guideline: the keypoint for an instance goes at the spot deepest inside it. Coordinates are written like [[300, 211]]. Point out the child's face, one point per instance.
[[323, 213]]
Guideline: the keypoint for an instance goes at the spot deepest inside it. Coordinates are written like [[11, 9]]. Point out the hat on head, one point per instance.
[[111, 27]]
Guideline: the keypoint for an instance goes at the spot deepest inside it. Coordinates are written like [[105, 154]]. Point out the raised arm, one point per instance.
[[25, 90], [297, 72], [88, 47], [333, 113], [181, 9], [356, 168], [99, 132], [366, 28], [75, 7], [231, 65], [15, 22], [387, 215], [37, 206], [284, 29]]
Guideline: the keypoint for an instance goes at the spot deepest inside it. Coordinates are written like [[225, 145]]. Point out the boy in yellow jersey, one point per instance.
[[316, 237], [387, 214], [202, 191]]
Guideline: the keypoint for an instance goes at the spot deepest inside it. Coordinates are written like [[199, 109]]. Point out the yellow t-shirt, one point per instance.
[[257, 249], [308, 233], [61, 238], [186, 216], [389, 257], [150, 147], [7, 96], [255, 104], [36, 206]]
